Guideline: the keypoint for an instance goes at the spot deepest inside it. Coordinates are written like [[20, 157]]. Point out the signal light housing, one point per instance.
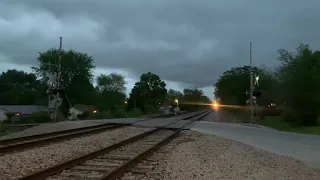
[[257, 93]]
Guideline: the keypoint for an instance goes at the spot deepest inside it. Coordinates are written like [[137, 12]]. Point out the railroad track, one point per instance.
[[112, 162], [21, 143]]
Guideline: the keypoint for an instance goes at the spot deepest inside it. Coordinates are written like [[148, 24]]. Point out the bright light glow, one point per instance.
[[94, 111], [215, 105], [176, 100], [125, 102]]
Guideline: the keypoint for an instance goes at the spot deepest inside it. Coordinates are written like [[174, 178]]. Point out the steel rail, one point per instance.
[[116, 173], [9, 148]]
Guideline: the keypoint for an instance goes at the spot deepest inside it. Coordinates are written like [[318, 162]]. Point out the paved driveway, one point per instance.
[[300, 146]]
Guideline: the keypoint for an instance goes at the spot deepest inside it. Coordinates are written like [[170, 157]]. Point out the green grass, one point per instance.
[[279, 124], [242, 116], [3, 129]]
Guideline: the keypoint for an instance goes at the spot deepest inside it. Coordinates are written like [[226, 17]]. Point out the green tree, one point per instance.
[[205, 99], [193, 99], [76, 72], [111, 91], [81, 91], [232, 86], [113, 82], [20, 88], [172, 95], [150, 90], [192, 95], [299, 79]]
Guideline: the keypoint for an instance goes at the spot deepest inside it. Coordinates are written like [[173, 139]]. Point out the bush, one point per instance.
[[270, 111], [3, 128], [239, 115], [289, 115], [101, 115], [150, 109], [83, 116], [135, 113], [119, 113], [301, 117], [38, 117], [307, 117]]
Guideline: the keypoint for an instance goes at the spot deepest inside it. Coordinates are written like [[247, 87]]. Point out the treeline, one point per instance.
[[294, 85], [108, 95]]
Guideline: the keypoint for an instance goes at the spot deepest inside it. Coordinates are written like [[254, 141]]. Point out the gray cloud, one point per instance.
[[192, 42]]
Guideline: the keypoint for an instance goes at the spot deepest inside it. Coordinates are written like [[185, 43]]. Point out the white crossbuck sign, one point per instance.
[[256, 82]]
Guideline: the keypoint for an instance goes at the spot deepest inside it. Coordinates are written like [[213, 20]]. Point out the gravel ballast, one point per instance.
[[200, 157], [16, 165], [52, 127]]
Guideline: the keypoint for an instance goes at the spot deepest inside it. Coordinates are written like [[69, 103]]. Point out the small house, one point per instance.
[[81, 109]]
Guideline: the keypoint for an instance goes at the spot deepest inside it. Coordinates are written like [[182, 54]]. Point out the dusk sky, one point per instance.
[[188, 43]]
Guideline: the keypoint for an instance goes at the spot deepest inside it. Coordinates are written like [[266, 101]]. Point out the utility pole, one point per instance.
[[58, 83], [251, 86], [54, 88]]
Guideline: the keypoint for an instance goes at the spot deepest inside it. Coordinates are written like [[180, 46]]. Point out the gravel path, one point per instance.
[[16, 165], [199, 157]]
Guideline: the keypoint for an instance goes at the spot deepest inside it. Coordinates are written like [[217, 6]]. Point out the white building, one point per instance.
[[3, 115]]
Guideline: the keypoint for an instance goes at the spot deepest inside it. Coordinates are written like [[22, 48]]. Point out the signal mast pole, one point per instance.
[[57, 98], [251, 86], [54, 87]]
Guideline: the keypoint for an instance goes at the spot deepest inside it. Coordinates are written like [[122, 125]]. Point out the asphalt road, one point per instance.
[[299, 146]]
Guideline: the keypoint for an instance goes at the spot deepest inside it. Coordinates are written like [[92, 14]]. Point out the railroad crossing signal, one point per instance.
[[256, 82]]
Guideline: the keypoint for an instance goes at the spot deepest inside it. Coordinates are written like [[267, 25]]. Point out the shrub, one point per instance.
[[101, 115], [289, 115], [135, 113], [150, 109], [83, 116], [3, 128], [38, 117], [307, 117], [119, 113], [270, 111]]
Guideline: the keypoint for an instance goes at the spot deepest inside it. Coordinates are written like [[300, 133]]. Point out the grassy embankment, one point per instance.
[[275, 122]]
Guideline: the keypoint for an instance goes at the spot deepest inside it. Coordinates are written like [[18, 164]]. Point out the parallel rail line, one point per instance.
[[26, 142], [112, 162]]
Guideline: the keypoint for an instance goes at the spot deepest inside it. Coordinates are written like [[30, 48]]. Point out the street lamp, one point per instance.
[[125, 102], [177, 101]]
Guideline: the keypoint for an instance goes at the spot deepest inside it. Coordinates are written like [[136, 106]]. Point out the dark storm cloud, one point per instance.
[[188, 41]]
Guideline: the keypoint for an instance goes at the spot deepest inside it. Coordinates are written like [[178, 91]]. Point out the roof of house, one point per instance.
[[24, 109], [84, 108]]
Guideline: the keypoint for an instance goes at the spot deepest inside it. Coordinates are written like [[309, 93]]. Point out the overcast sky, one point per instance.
[[188, 43]]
